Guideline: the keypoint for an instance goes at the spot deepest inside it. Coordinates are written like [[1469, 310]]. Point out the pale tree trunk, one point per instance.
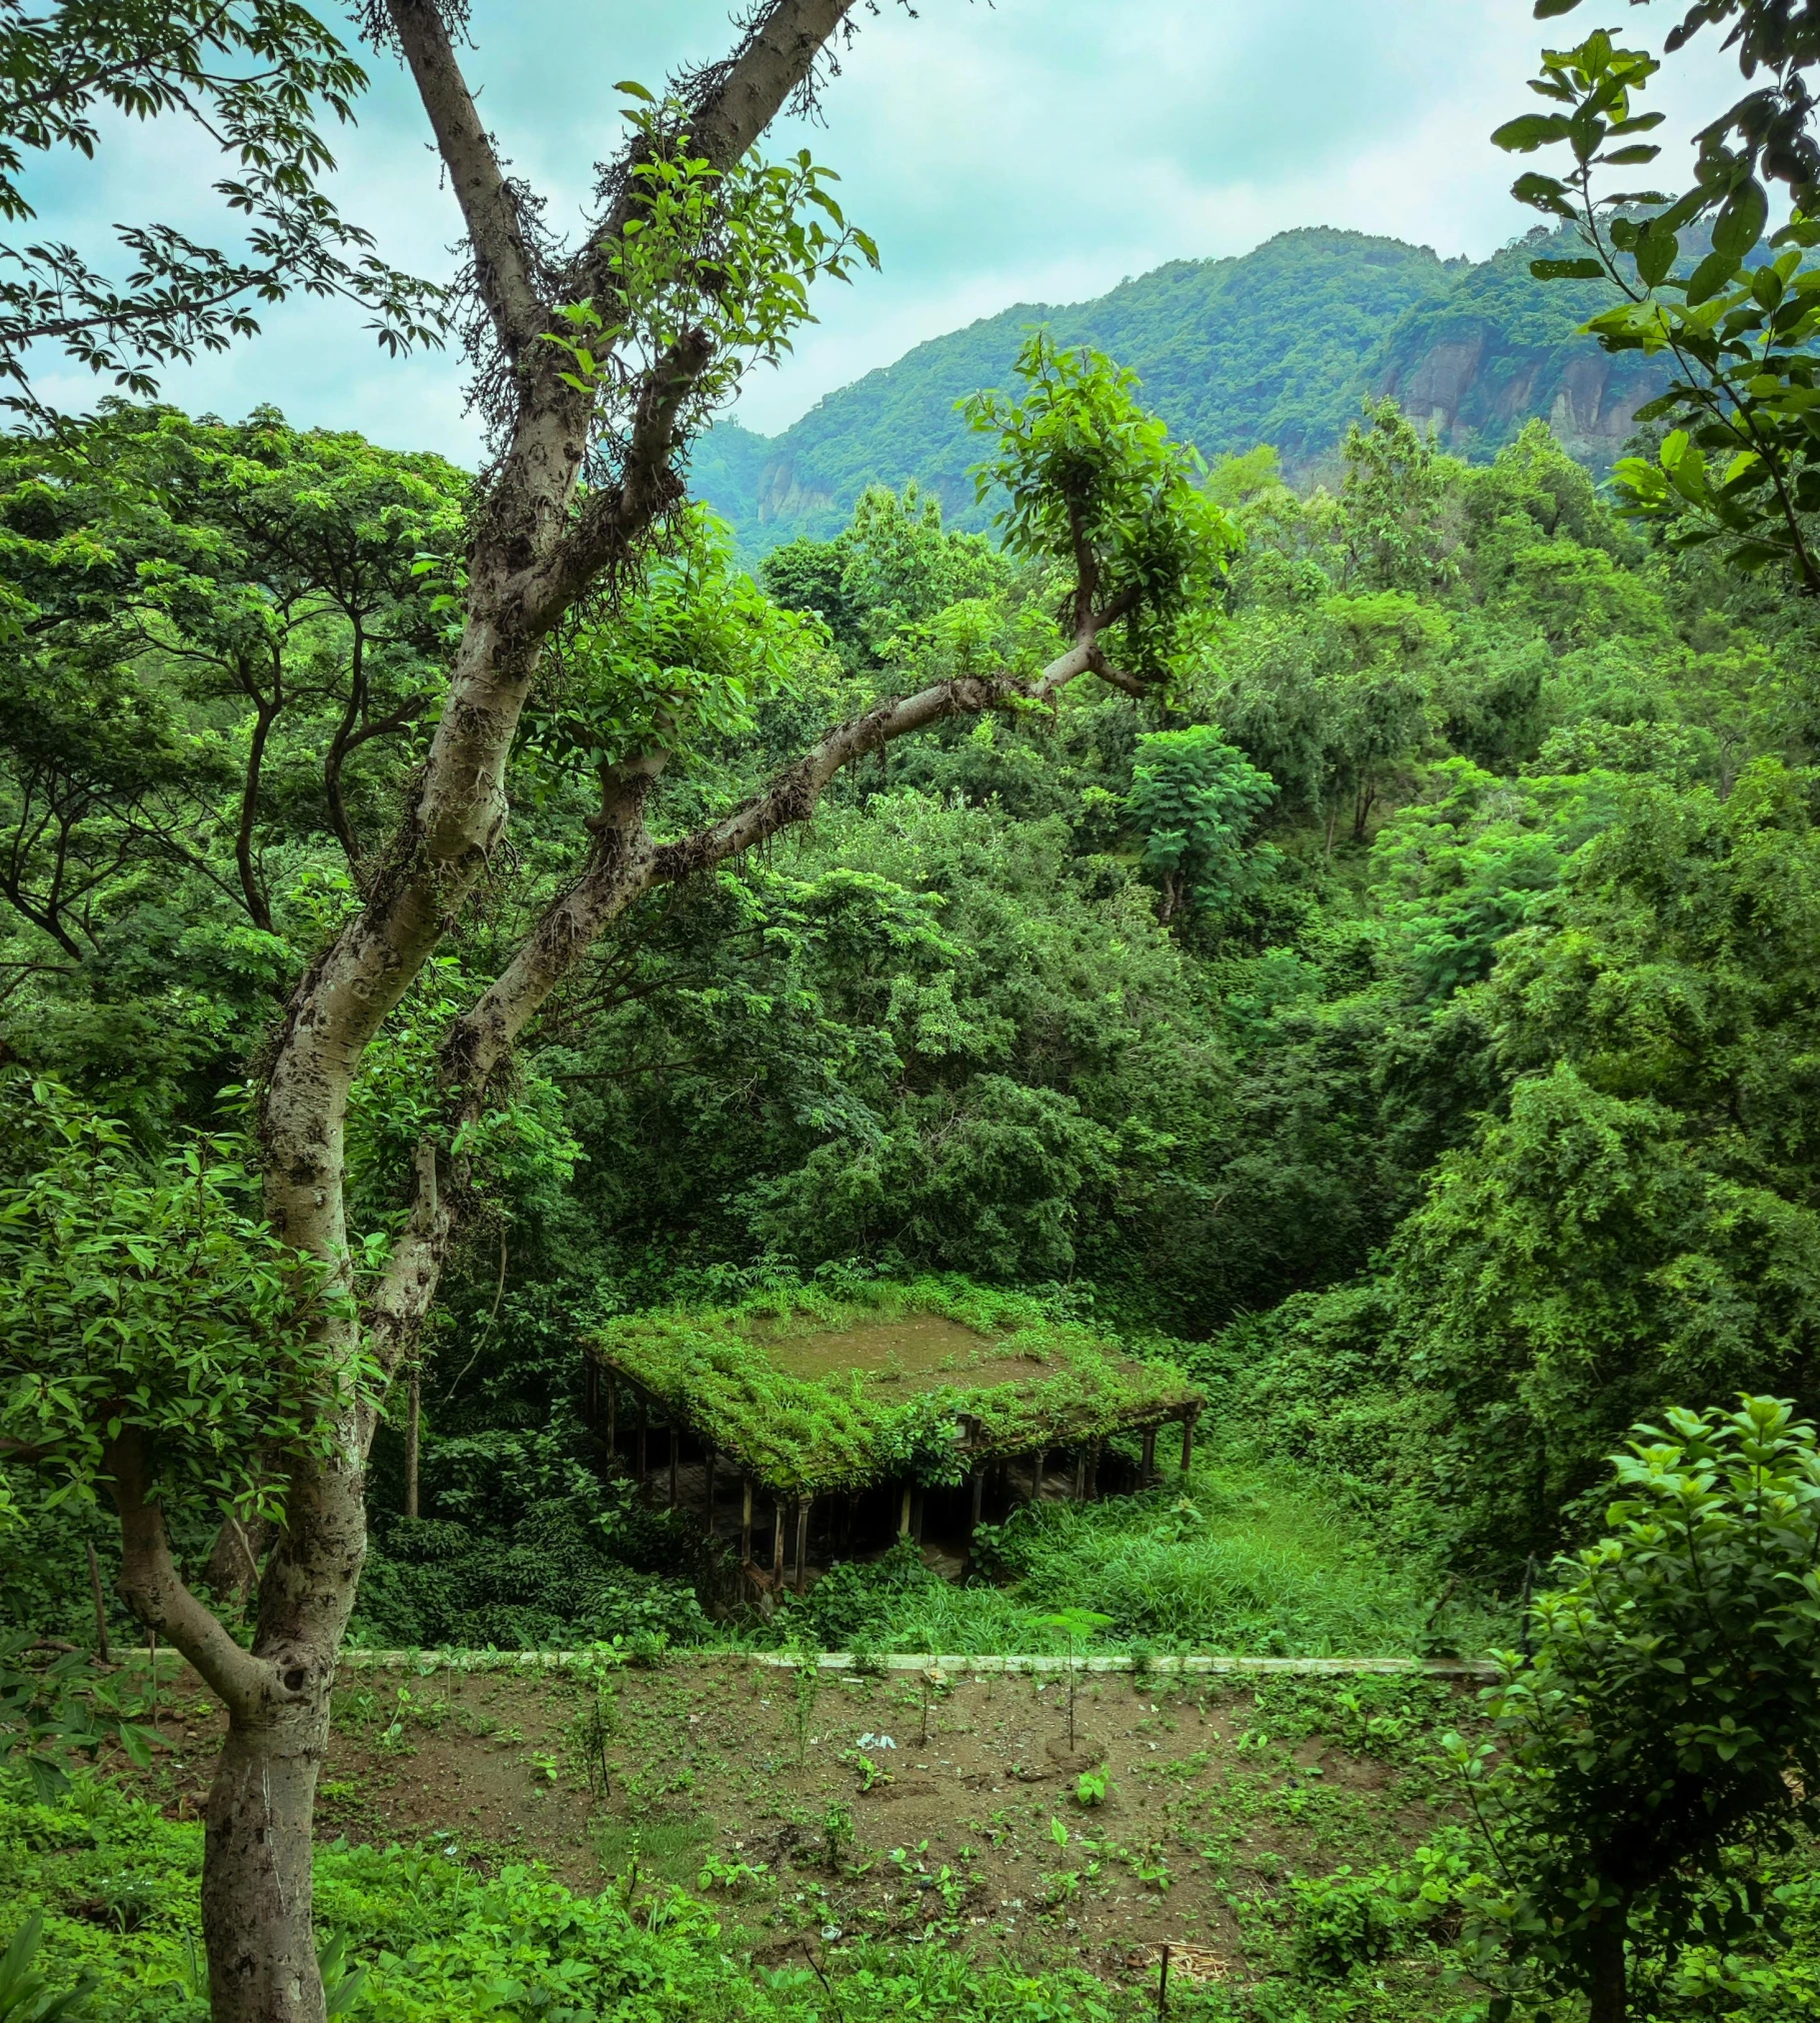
[[536, 549]]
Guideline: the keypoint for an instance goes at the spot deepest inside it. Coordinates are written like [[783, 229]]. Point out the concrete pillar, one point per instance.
[[644, 1439], [613, 1415], [904, 1514], [1148, 1467], [1187, 1442], [675, 1444], [708, 1497], [746, 1522], [1080, 1474], [777, 1538], [803, 1542], [978, 1489]]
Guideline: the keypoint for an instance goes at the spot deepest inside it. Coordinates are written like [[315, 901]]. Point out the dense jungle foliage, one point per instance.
[[1320, 947], [1410, 1017]]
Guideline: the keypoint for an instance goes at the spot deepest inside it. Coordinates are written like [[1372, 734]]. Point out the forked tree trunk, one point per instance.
[[537, 546]]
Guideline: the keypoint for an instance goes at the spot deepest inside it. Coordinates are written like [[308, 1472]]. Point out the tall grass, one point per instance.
[[1245, 1559]]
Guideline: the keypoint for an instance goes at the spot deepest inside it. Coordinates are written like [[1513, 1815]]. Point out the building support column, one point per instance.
[[613, 1415], [777, 1540], [903, 1512], [1080, 1474], [1147, 1469], [1187, 1444], [1093, 1447], [676, 1442], [746, 1521], [644, 1439], [977, 1483], [803, 1542]]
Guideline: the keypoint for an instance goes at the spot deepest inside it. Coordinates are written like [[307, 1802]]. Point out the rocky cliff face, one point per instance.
[[1476, 392]]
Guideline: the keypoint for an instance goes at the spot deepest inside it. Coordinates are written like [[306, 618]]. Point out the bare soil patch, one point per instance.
[[943, 1807]]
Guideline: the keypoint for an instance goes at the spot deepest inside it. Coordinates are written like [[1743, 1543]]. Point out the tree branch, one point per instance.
[[153, 1589], [647, 487], [738, 99], [625, 863], [504, 267]]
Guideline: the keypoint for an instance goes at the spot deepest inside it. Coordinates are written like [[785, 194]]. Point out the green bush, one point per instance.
[[1344, 1921]]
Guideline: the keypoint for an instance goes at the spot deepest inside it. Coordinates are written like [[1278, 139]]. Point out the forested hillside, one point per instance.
[[1276, 347]]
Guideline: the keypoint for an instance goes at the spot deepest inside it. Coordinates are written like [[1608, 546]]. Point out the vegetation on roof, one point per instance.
[[1033, 1379]]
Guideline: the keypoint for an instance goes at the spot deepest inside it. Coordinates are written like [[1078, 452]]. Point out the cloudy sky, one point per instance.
[[1023, 150]]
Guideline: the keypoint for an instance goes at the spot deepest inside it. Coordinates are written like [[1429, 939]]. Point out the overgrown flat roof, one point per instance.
[[810, 1393]]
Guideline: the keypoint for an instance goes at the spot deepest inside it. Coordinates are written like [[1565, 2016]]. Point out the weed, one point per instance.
[[733, 1878], [1090, 1787], [871, 1773], [836, 1833]]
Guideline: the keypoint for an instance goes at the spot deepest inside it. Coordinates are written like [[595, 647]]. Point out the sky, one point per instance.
[[1017, 151]]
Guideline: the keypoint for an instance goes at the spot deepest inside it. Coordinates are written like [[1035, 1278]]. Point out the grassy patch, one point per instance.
[[1245, 1559]]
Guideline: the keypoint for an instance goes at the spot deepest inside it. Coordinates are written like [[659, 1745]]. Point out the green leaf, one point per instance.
[[49, 1779], [1547, 10], [1656, 251], [1531, 131], [1567, 270], [1740, 222], [1712, 274], [632, 88]]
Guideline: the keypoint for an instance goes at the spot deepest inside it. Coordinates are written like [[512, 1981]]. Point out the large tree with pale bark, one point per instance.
[[595, 364]]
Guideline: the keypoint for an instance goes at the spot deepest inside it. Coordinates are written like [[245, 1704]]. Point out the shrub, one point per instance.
[[1670, 1715]]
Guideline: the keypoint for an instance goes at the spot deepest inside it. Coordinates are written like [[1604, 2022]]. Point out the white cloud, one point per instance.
[[1029, 150]]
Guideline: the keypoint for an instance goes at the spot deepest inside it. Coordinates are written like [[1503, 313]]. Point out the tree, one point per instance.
[[1741, 464], [1389, 504], [294, 572], [596, 364], [1671, 1710], [894, 565], [257, 77], [1194, 799]]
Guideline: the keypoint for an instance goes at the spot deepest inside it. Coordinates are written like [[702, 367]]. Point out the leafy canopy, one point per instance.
[[258, 77], [150, 1298], [1091, 481]]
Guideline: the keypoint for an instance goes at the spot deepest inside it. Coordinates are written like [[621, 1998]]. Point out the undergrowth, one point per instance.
[[436, 1940], [1243, 1559]]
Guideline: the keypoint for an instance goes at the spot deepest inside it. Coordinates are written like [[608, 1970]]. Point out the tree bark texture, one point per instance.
[[534, 551]]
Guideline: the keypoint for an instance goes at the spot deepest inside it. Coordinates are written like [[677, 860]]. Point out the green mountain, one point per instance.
[[1279, 346]]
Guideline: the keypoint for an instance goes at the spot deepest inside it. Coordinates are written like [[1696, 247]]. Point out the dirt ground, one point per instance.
[[825, 1806]]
